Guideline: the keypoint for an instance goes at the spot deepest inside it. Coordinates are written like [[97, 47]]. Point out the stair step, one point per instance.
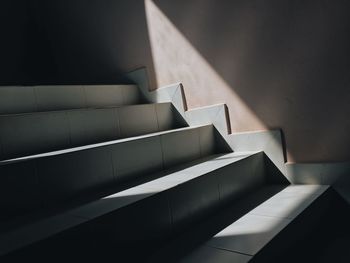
[[32, 133], [143, 211], [166, 182], [55, 178], [250, 234], [24, 99]]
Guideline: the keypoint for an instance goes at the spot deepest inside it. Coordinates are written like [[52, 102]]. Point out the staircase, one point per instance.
[[99, 172]]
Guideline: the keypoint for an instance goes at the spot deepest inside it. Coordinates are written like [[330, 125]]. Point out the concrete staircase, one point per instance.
[[100, 172]]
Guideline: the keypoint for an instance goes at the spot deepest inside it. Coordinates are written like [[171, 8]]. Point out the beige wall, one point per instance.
[[277, 64]]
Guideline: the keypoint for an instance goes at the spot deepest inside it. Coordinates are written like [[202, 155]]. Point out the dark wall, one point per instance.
[[24, 48], [78, 41], [95, 41]]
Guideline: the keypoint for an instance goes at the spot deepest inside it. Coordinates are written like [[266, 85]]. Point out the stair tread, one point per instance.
[[290, 202], [51, 225], [250, 233], [97, 145]]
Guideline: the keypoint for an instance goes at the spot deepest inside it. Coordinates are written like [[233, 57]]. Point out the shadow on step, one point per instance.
[[320, 234], [124, 243], [273, 174], [146, 230], [189, 240]]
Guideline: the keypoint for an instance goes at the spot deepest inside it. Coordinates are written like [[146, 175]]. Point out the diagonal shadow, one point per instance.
[[272, 63]]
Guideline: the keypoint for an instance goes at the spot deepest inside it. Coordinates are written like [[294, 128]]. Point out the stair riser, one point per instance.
[[49, 181], [48, 98], [27, 134]]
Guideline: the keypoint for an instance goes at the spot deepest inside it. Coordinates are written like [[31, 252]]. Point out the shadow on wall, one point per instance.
[[24, 51], [277, 64], [72, 42], [95, 41]]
